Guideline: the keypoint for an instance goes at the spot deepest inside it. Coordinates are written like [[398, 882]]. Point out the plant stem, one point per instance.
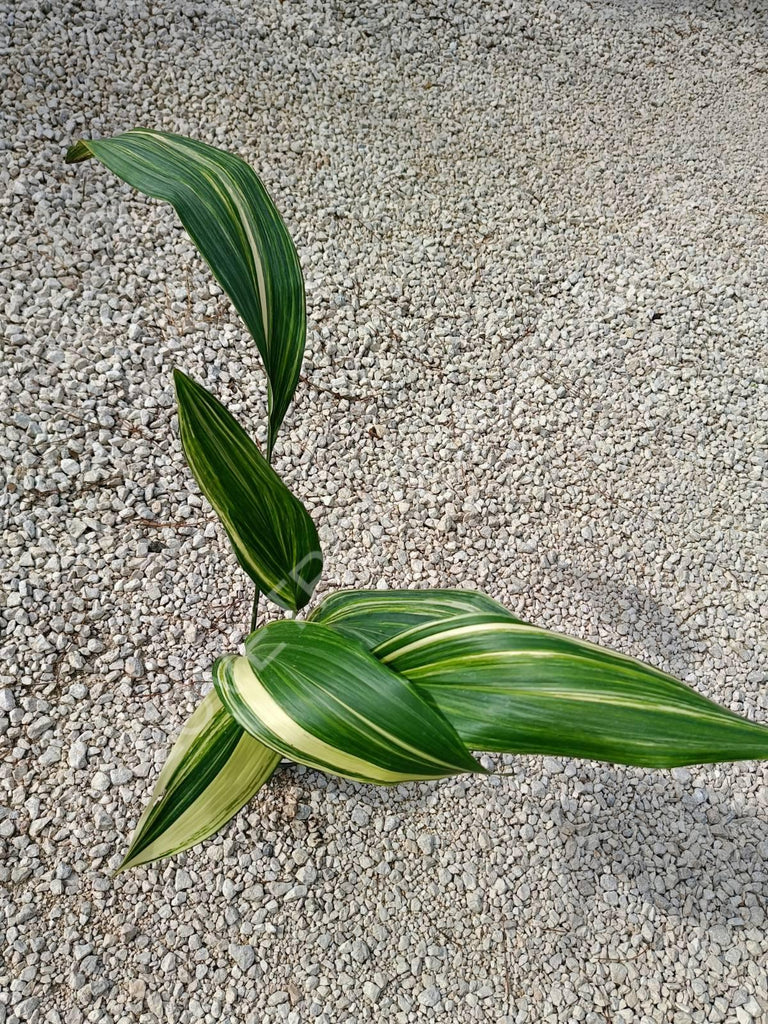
[[255, 609], [257, 592]]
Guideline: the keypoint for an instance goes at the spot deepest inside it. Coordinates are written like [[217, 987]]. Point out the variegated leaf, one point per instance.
[[320, 699], [511, 687], [213, 770], [271, 532], [373, 616], [235, 225]]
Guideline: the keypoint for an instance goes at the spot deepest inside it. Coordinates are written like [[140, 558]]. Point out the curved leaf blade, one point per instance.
[[213, 769], [271, 532], [511, 687], [322, 700], [235, 225], [373, 616]]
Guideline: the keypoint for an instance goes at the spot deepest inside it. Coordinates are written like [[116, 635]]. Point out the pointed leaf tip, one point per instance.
[[213, 770], [77, 153], [514, 688]]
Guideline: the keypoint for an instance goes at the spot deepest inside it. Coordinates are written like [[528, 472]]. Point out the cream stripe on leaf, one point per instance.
[[214, 768], [514, 688], [273, 537], [233, 222], [320, 699], [373, 616]]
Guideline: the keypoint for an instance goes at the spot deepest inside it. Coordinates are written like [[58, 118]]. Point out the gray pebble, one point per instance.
[[182, 880], [243, 956], [78, 755]]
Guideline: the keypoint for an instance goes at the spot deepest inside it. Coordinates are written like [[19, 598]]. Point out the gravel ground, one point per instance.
[[535, 236]]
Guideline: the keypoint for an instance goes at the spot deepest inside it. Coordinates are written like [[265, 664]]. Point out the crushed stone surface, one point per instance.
[[535, 239]]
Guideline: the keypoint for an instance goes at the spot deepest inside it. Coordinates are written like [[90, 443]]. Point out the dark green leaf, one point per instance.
[[235, 225], [271, 532], [322, 700], [213, 770], [507, 686]]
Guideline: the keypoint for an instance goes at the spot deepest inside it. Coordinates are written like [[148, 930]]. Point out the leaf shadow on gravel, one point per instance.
[[639, 624], [692, 846], [691, 843], [620, 845]]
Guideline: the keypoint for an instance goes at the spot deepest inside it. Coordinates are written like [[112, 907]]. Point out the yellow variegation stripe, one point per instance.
[[239, 232], [213, 769], [289, 737], [373, 616]]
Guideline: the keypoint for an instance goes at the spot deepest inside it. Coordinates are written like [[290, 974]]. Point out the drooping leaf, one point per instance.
[[320, 699], [271, 532], [373, 616], [213, 770], [235, 225], [511, 687]]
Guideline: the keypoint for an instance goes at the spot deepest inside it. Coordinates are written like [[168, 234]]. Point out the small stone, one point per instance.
[[182, 880], [100, 782], [155, 1003], [78, 755], [51, 755], [279, 889], [168, 963], [427, 844], [137, 989], [24, 1010], [39, 726], [307, 875], [90, 966], [243, 956], [360, 816], [371, 991], [360, 951], [7, 700], [430, 996], [102, 819], [618, 973], [134, 668], [296, 892]]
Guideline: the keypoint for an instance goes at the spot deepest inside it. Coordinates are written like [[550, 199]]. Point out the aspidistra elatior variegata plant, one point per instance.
[[380, 687]]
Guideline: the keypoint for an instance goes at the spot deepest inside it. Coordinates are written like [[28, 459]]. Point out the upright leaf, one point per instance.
[[271, 532], [213, 770], [235, 225], [510, 687], [373, 616], [321, 700]]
